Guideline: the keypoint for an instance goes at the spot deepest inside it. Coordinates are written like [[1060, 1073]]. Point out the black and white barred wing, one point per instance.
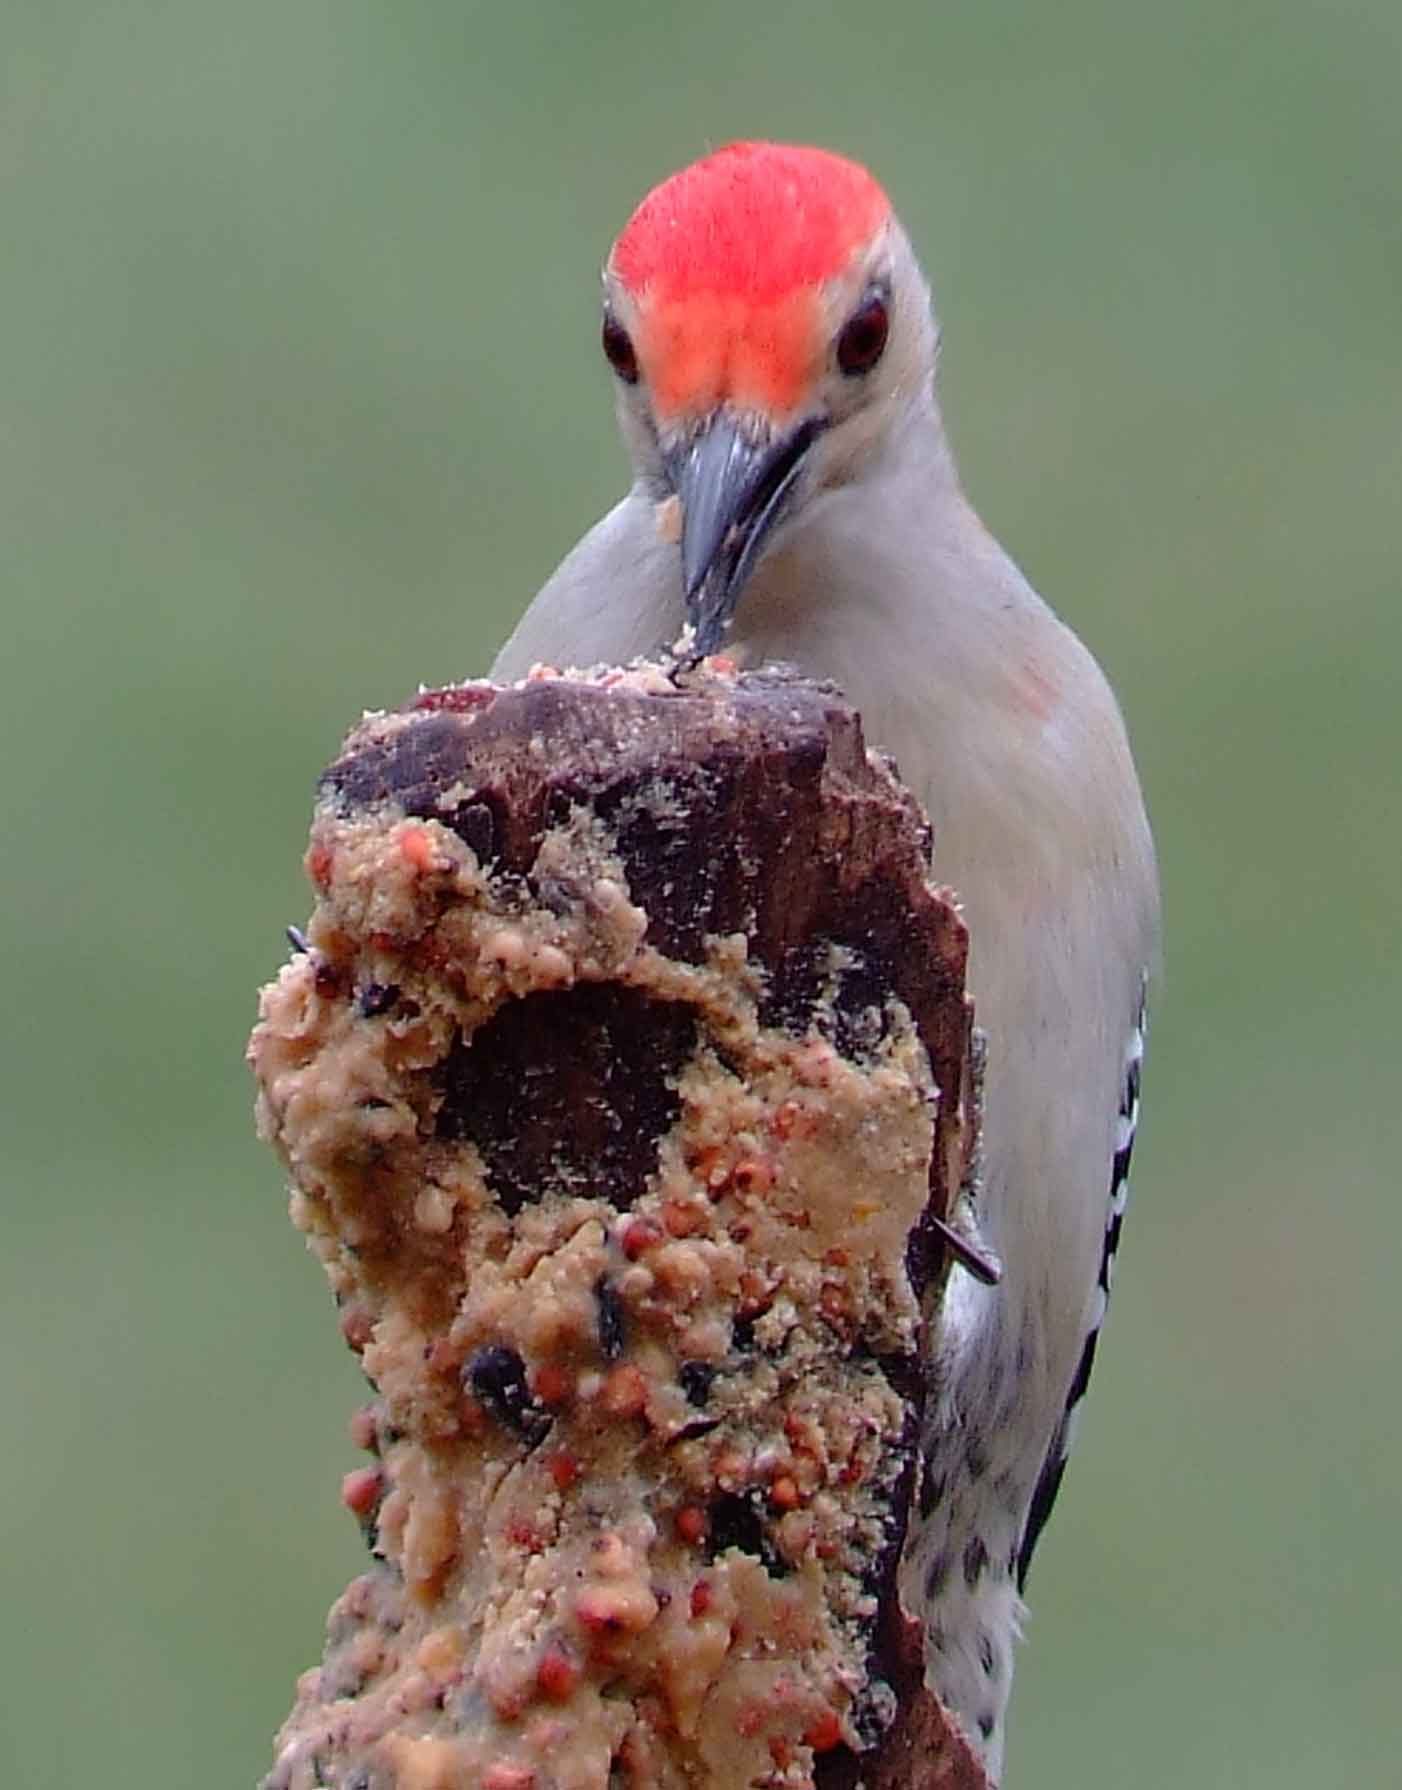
[[1049, 1480]]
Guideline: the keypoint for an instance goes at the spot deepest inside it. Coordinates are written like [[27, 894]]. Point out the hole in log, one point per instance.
[[569, 1091], [735, 1522]]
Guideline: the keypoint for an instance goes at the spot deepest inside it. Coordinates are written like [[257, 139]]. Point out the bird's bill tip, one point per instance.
[[734, 480]]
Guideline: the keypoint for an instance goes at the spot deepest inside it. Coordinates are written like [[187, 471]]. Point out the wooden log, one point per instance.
[[623, 1084]]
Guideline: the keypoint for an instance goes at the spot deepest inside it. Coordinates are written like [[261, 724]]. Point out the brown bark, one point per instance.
[[515, 1022]]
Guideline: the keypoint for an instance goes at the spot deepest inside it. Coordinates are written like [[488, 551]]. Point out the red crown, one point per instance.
[[755, 220]]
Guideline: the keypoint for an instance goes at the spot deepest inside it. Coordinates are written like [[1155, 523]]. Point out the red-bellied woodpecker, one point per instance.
[[774, 351]]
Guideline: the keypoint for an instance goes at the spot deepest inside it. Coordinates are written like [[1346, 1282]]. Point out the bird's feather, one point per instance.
[[1049, 1479]]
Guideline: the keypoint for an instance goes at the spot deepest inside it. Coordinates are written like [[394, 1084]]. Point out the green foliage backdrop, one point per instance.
[[299, 401]]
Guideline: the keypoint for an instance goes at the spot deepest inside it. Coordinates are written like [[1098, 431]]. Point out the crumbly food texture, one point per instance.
[[642, 1426]]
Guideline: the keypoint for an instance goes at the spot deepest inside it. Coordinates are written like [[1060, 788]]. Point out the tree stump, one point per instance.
[[623, 1083]]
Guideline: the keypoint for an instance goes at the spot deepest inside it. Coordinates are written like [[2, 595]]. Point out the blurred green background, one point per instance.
[[300, 399]]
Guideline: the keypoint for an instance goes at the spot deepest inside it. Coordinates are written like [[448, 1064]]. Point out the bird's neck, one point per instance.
[[888, 583]]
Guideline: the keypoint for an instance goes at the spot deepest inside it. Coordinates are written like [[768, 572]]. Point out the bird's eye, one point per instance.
[[619, 350], [862, 340]]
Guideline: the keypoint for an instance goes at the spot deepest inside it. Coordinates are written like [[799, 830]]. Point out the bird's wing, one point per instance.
[[1049, 1479]]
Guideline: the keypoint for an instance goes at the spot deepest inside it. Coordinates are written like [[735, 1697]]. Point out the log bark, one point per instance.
[[622, 1084]]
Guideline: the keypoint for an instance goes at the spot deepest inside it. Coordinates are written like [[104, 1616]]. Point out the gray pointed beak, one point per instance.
[[734, 484]]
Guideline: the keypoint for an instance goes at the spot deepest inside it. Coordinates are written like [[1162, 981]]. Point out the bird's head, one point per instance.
[[768, 326]]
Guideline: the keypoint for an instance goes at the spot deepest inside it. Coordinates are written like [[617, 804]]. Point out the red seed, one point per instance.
[[357, 1326], [753, 1174], [624, 1392], [563, 1469], [551, 1384], [637, 1235], [784, 1493], [701, 1597], [360, 1490], [558, 1673], [680, 1219], [755, 1293], [691, 1523], [823, 1733], [318, 862], [417, 848], [710, 1168]]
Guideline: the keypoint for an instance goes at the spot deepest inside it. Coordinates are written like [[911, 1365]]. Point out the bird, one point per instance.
[[795, 498]]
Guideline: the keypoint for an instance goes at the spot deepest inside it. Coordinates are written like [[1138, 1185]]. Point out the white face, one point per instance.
[[856, 406], [863, 408], [845, 360]]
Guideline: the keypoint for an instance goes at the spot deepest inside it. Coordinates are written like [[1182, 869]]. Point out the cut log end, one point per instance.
[[620, 1085]]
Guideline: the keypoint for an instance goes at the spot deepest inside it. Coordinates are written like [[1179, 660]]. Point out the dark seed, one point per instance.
[[697, 1426], [611, 1320], [696, 1378], [297, 938], [376, 998], [497, 1376]]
